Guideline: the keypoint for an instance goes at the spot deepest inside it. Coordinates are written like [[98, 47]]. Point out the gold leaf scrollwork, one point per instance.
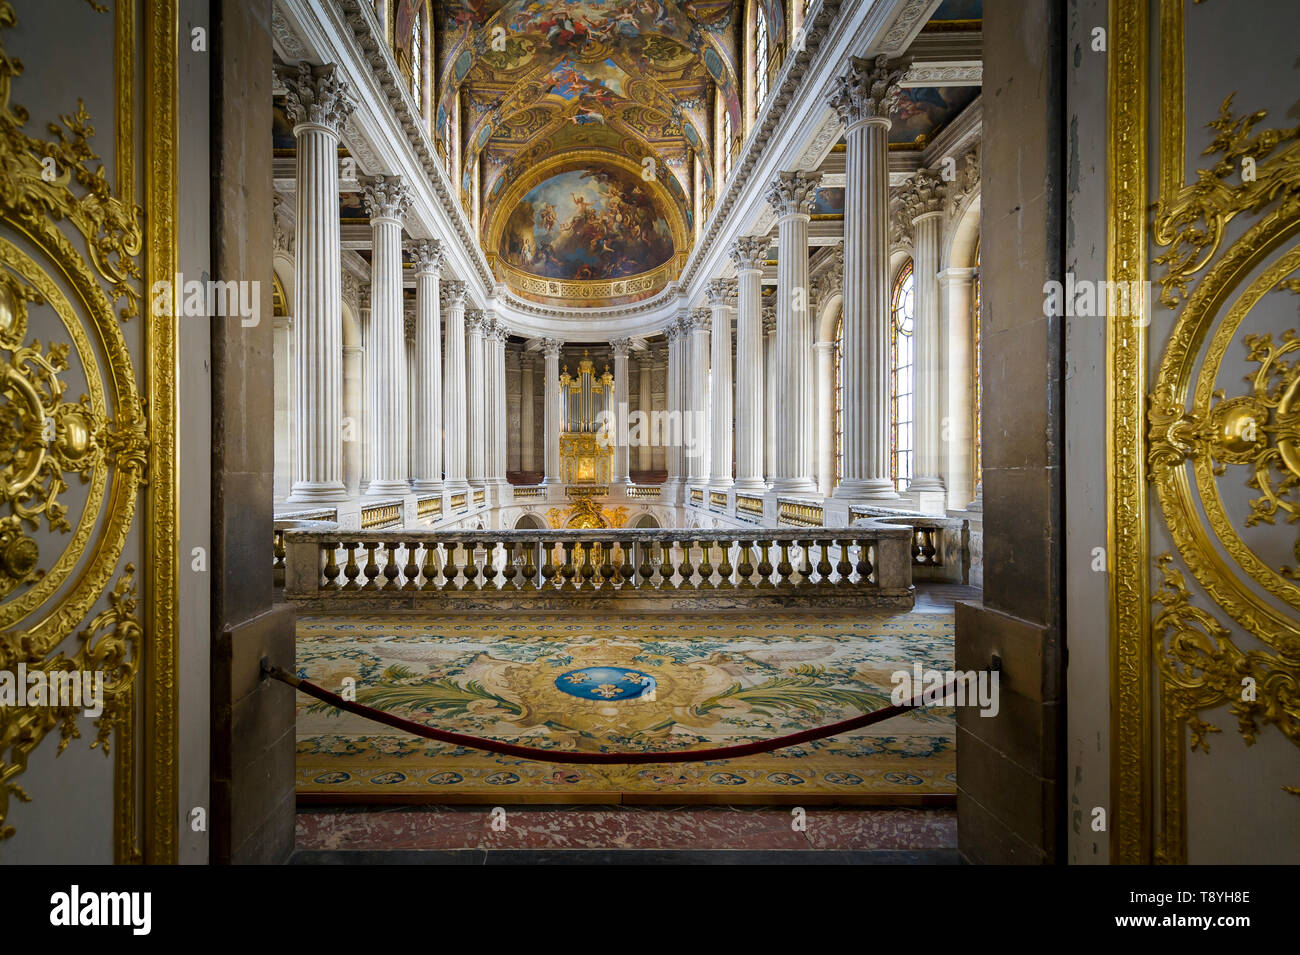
[[107, 650], [1193, 221], [1203, 669], [37, 185]]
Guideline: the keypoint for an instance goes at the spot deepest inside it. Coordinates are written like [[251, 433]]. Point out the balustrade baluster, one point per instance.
[[765, 564], [784, 568], [471, 567], [449, 569], [548, 569], [490, 567], [725, 569], [686, 569], [391, 571], [530, 568], [331, 571], [864, 562], [844, 567], [746, 569], [510, 569], [647, 570], [372, 567], [588, 569], [607, 566], [351, 570], [627, 571], [706, 565], [568, 570], [823, 563], [412, 569], [430, 567]]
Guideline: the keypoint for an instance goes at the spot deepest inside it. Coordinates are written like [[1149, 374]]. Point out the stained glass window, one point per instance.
[[838, 399], [760, 55], [901, 387]]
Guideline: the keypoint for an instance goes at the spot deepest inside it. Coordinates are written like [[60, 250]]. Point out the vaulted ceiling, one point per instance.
[[634, 80]]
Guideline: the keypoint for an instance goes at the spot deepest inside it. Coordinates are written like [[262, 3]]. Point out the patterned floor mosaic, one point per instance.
[[632, 683]]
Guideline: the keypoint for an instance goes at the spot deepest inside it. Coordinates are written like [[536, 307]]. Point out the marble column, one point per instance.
[[527, 405], [824, 359], [722, 428], [495, 358], [748, 254], [864, 100], [352, 392], [475, 423], [922, 199], [453, 385], [791, 196], [958, 376], [620, 348], [386, 200], [409, 339], [675, 408], [645, 404], [769, 392], [426, 470], [695, 387], [282, 350], [367, 385], [551, 411], [317, 102]]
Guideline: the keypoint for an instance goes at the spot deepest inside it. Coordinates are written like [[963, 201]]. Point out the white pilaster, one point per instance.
[[695, 417], [620, 348], [527, 405], [551, 412], [475, 424], [722, 429], [748, 254]]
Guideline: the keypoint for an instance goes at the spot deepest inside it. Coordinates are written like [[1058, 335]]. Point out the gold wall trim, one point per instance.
[[1126, 491], [159, 691]]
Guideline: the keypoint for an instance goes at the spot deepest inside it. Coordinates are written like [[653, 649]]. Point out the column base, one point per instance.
[[388, 489], [317, 492], [426, 487], [721, 484], [752, 485], [455, 485], [799, 485], [925, 484], [866, 489]]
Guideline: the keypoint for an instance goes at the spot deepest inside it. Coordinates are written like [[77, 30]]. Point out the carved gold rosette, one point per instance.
[[1220, 444], [74, 438]]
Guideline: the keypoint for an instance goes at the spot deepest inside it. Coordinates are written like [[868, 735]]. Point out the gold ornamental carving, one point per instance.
[[71, 464]]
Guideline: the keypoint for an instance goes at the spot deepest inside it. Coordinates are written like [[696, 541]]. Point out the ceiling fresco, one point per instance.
[[633, 79]]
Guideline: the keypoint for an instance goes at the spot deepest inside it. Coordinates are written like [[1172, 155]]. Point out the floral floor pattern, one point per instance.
[[636, 683]]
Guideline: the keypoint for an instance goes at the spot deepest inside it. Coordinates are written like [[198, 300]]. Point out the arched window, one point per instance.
[[417, 55], [838, 399], [977, 391], [761, 55], [900, 378]]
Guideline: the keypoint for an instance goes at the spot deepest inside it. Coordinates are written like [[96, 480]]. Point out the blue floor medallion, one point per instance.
[[606, 683]]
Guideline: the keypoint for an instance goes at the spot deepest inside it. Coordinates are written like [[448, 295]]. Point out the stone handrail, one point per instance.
[[866, 565]]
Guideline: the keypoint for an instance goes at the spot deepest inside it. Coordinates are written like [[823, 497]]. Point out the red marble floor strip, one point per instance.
[[603, 827]]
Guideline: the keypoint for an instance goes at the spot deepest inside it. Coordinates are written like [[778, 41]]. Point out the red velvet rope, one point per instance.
[[564, 756]]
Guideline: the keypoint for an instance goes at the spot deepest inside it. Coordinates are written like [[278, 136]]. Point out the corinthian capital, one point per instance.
[[769, 319], [869, 91], [476, 320], [675, 331], [699, 319], [317, 95], [427, 255], [749, 252], [452, 293], [923, 194], [792, 193], [721, 292], [386, 197], [621, 346], [551, 347]]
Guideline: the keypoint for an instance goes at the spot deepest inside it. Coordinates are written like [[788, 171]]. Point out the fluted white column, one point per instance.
[[494, 359], [923, 203], [527, 404], [864, 100], [387, 199], [620, 347], [824, 359], [769, 392], [695, 418], [475, 425], [551, 412], [453, 385], [426, 472], [957, 373], [722, 300], [645, 404], [674, 405], [748, 254], [367, 385], [317, 102], [791, 196], [352, 386]]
